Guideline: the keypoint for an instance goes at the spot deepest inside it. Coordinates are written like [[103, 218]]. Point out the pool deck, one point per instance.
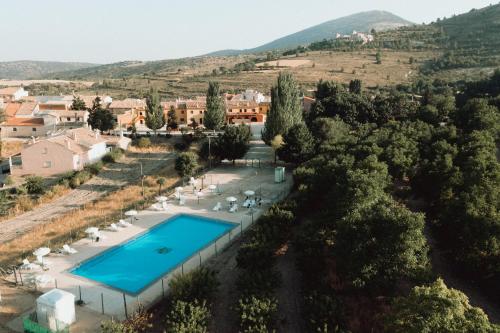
[[232, 181]]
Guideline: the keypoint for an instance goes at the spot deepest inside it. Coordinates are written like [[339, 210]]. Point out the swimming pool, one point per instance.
[[134, 265]]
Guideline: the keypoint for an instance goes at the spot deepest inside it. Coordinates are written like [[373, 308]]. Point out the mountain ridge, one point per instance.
[[363, 22], [32, 69]]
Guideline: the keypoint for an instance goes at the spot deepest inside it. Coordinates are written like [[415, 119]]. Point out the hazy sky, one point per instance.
[[104, 31]]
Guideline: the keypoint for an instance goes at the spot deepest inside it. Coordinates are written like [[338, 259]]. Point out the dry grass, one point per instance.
[[11, 148], [71, 225], [326, 65]]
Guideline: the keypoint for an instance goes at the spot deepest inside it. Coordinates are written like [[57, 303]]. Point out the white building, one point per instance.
[[11, 94]]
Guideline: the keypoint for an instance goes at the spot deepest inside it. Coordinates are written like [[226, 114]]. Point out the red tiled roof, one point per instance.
[[11, 109], [24, 122]]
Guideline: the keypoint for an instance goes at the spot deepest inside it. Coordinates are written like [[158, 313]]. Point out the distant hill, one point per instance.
[[363, 22], [27, 69]]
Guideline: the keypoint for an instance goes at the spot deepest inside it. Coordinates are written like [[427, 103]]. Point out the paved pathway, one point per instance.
[[112, 178]]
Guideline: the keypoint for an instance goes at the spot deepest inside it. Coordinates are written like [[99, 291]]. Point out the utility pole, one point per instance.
[[142, 180]]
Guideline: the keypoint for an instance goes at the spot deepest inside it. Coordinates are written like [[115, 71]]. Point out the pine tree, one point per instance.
[[155, 118], [215, 116], [78, 104], [286, 108]]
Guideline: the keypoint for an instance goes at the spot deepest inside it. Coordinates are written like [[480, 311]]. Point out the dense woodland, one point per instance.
[[376, 175]]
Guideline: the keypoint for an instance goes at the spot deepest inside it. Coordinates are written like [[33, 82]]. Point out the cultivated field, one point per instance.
[[308, 70]]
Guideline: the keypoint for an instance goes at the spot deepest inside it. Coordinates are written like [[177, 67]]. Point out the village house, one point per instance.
[[12, 94], [356, 37], [23, 120], [249, 106], [128, 112], [67, 151]]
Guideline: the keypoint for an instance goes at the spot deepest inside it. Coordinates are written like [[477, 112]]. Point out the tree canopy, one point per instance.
[[286, 108], [215, 116], [155, 117]]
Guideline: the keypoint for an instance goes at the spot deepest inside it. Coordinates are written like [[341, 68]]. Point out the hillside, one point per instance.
[[27, 69], [365, 21]]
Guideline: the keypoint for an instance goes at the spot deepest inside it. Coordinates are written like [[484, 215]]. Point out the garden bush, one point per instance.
[[34, 185], [94, 168], [257, 315], [144, 142], [113, 156], [199, 285], [188, 317]]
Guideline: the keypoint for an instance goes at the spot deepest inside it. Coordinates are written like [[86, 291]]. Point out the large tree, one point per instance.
[[78, 104], [172, 118], [378, 244], [215, 116], [155, 118], [436, 308], [299, 144], [186, 164], [233, 144], [286, 108], [100, 118]]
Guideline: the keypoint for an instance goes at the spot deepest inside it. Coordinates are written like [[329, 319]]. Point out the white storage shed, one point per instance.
[[56, 309]]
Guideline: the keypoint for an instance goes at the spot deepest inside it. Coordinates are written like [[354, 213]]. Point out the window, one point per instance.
[[47, 164], [33, 129], [201, 120], [68, 119], [182, 111], [182, 120], [253, 110], [45, 151], [142, 122], [191, 111], [140, 113], [14, 129], [78, 119]]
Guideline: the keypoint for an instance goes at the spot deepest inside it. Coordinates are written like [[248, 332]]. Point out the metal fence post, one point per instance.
[[80, 292], [15, 275], [199, 254], [125, 305], [21, 278], [162, 289], [182, 269], [102, 302], [55, 283], [215, 248]]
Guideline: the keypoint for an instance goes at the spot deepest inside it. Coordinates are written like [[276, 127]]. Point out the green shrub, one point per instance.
[[112, 326], [324, 312], [261, 283], [255, 255], [257, 315], [9, 181], [34, 185], [144, 142], [113, 156], [199, 284], [94, 168], [188, 317]]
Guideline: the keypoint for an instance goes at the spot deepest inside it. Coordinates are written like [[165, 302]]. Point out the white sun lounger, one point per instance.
[[123, 223], [164, 206], [157, 207], [234, 208], [182, 200], [113, 227], [27, 265], [68, 250], [217, 207]]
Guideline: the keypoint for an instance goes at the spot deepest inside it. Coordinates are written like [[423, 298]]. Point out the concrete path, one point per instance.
[[112, 178]]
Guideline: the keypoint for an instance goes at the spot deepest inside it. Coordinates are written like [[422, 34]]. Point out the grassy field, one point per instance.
[[338, 66]]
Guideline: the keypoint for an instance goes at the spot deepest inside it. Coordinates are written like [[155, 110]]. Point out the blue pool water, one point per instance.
[[135, 264]]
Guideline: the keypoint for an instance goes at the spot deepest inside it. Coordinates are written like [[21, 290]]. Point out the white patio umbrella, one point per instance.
[[161, 198], [249, 193], [231, 199], [40, 253], [131, 214], [212, 187]]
